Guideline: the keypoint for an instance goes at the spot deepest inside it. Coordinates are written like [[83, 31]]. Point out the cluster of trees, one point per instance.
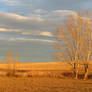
[[75, 42]]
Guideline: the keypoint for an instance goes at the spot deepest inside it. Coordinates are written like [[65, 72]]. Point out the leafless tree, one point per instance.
[[74, 42], [15, 63], [9, 62], [12, 63]]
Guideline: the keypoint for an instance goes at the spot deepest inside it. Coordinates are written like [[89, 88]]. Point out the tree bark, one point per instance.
[[74, 69], [86, 71]]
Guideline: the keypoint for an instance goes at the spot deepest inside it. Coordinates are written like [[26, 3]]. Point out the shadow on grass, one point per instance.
[[68, 74], [90, 76], [71, 75]]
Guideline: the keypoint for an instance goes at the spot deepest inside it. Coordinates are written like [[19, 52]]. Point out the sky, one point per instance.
[[27, 26]]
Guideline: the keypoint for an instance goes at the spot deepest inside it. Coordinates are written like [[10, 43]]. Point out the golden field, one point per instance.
[[35, 69], [42, 77], [35, 84]]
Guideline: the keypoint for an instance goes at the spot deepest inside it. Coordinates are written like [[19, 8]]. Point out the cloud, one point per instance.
[[25, 7], [18, 17], [14, 21], [3, 30], [46, 34], [63, 12], [33, 25], [36, 33], [15, 17], [59, 15], [10, 30], [27, 40]]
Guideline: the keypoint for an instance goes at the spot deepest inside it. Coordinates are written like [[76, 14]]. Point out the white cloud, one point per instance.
[[13, 16], [46, 34], [49, 34], [9, 30], [3, 30], [20, 18], [27, 40], [64, 12], [38, 40]]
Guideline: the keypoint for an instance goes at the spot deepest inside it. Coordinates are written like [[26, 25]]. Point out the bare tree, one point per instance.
[[15, 62], [71, 36], [12, 63], [9, 62]]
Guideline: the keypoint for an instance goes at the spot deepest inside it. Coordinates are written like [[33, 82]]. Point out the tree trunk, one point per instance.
[[76, 77], [77, 66], [86, 71], [86, 66], [75, 70]]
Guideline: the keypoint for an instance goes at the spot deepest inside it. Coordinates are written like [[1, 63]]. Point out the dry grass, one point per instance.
[[39, 66], [12, 84], [42, 77]]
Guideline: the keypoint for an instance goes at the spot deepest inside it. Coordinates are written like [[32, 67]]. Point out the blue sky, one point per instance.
[[33, 22]]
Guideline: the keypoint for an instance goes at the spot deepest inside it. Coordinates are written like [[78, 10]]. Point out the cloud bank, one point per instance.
[[33, 23]]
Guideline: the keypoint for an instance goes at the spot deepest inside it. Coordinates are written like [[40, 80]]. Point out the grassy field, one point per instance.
[[11, 84], [36, 69], [38, 66], [42, 77]]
